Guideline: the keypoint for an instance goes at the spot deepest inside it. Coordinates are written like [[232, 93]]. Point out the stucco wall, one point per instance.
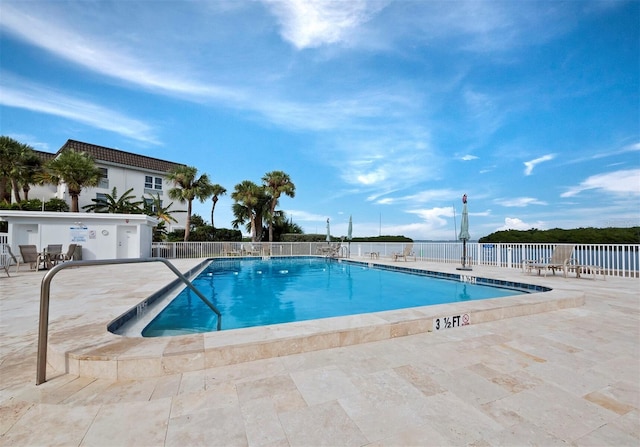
[[102, 236]]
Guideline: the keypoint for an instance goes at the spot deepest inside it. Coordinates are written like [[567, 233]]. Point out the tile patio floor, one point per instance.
[[565, 377]]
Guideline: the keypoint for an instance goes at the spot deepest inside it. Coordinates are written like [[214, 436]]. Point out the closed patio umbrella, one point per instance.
[[328, 232], [464, 233], [350, 235]]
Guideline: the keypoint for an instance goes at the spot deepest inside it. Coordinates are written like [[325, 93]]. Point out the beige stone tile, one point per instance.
[[523, 434], [58, 394], [629, 423], [90, 394], [177, 363], [502, 414], [100, 369], [262, 425], [608, 435], [558, 412], [325, 424], [469, 386], [422, 435], [264, 387], [166, 386], [220, 396], [46, 424], [288, 401], [621, 397], [323, 384], [135, 368], [11, 412], [192, 382], [209, 427], [420, 379], [137, 423], [244, 371]]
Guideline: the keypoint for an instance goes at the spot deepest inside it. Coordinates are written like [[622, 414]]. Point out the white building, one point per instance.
[[120, 169], [99, 235]]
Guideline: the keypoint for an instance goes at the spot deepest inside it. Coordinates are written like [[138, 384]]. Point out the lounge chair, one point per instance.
[[254, 250], [330, 251], [30, 254], [561, 259], [68, 256], [407, 251], [54, 251], [10, 258]]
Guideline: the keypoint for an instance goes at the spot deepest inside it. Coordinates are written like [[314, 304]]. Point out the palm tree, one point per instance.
[[216, 190], [188, 187], [154, 208], [275, 184], [251, 204], [113, 204], [13, 156], [77, 170], [31, 172]]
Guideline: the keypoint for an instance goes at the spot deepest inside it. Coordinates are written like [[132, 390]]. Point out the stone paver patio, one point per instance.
[[560, 377]]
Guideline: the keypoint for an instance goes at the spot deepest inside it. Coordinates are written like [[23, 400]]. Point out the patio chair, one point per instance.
[[30, 254], [335, 250], [561, 259], [10, 258], [68, 256], [407, 251], [54, 251]]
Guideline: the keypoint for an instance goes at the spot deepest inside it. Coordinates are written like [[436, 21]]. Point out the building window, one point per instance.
[[152, 184], [104, 178], [149, 204], [101, 203]]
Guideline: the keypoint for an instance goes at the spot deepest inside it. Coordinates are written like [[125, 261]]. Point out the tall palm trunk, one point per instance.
[[213, 207], [187, 230], [16, 190]]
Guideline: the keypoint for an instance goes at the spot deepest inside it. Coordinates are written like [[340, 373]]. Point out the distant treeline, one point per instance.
[[576, 236], [323, 238]]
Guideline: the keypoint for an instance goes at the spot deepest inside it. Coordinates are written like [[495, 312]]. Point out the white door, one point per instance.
[[126, 242]]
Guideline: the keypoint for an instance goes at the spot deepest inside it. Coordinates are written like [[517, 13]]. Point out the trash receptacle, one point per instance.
[[77, 253]]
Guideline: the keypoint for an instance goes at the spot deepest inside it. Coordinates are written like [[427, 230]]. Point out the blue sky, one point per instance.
[[386, 111]]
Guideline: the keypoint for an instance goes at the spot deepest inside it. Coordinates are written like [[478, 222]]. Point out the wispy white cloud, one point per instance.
[[513, 223], [433, 195], [312, 23], [634, 147], [468, 157], [520, 202], [529, 165], [15, 92], [305, 216], [103, 56], [29, 139], [618, 182]]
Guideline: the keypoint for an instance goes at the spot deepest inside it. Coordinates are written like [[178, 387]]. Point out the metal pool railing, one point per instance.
[[45, 287], [613, 259]]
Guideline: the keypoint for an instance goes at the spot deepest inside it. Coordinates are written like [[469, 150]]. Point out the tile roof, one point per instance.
[[44, 156], [105, 154]]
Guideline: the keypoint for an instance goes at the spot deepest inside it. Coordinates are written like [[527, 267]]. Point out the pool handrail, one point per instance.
[[45, 288]]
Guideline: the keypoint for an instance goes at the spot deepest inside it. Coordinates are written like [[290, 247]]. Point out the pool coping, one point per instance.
[[95, 352]]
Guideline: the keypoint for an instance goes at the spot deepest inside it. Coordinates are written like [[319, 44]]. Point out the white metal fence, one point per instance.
[[613, 259]]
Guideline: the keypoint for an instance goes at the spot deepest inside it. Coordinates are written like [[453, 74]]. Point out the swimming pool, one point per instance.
[[256, 292]]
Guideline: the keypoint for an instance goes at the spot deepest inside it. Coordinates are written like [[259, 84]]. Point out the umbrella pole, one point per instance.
[[464, 256]]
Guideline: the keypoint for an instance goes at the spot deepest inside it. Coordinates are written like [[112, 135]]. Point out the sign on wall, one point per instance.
[[79, 233]]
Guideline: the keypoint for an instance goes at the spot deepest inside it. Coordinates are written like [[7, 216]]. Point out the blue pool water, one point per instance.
[[255, 292]]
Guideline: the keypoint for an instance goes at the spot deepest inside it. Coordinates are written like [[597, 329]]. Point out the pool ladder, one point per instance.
[[45, 288]]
